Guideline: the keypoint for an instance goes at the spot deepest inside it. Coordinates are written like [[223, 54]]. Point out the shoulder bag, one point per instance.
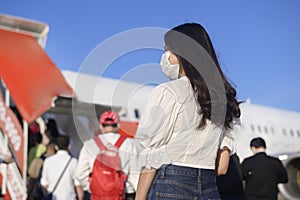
[[49, 196]]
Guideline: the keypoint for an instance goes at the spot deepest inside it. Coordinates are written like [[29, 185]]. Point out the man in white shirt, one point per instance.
[[53, 168], [109, 126]]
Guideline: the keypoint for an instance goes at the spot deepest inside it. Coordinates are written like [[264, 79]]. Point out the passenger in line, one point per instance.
[[109, 126], [262, 173], [34, 188], [59, 173], [52, 130], [186, 121], [38, 149]]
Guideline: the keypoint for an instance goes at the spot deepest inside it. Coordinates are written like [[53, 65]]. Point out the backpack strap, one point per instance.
[[99, 143], [117, 144], [61, 175], [120, 141]]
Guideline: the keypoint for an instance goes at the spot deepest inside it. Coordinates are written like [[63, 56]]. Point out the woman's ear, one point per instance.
[[173, 59]]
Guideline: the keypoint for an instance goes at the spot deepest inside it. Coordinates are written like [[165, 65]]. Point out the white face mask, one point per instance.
[[170, 70]]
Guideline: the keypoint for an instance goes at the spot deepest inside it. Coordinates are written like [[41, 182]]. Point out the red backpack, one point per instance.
[[107, 178]]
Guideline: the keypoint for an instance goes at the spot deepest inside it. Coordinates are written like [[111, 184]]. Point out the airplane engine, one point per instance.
[[291, 190]]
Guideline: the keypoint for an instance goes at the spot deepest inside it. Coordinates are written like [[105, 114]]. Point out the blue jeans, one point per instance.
[[176, 182]]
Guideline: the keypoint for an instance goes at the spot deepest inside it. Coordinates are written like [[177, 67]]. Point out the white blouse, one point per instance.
[[168, 130]]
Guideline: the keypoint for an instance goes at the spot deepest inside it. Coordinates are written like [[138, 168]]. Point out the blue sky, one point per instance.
[[257, 41]]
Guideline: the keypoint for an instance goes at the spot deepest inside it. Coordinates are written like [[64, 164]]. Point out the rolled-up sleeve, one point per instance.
[[156, 128], [230, 135], [133, 176], [74, 163], [83, 168]]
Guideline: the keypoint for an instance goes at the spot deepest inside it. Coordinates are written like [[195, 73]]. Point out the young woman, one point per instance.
[[187, 121]]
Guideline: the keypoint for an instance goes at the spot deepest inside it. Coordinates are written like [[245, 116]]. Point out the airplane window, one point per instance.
[[252, 128], [266, 129], [136, 113], [272, 130], [292, 132], [259, 129]]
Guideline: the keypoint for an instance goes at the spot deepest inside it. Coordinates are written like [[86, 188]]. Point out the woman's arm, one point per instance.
[[153, 133], [227, 146], [222, 162], [145, 180]]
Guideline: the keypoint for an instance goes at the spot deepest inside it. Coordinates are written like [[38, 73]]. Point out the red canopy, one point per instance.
[[128, 128], [30, 75]]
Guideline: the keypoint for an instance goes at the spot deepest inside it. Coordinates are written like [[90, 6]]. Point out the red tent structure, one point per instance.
[[29, 74], [33, 81]]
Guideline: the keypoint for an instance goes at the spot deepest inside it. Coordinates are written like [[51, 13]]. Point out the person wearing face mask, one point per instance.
[[170, 70], [187, 122]]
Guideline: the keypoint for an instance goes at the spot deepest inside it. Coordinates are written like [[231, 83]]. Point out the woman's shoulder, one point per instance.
[[179, 88], [175, 86]]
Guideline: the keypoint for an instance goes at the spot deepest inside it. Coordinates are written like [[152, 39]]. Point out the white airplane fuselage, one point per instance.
[[279, 128]]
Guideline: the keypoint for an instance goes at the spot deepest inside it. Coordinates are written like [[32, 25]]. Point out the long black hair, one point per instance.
[[183, 41]]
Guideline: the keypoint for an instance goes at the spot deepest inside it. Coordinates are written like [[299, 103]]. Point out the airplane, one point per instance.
[[76, 100]]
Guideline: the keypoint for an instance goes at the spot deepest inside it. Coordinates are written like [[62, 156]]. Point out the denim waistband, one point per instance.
[[185, 171]]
